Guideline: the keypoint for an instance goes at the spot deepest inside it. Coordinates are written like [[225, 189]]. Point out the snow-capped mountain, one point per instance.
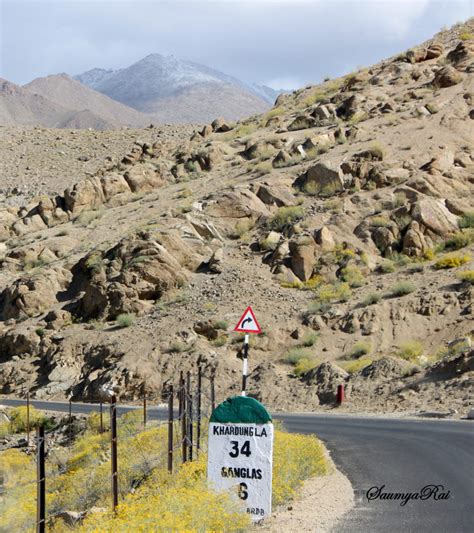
[[174, 90]]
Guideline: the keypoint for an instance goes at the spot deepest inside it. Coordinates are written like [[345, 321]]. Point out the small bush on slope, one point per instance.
[[467, 276], [17, 423], [452, 261]]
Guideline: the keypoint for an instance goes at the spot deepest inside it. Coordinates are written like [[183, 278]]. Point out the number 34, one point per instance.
[[244, 450]]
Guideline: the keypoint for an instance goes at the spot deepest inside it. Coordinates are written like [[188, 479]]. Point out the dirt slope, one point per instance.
[[73, 95]]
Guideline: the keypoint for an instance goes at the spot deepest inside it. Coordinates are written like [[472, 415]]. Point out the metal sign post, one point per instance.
[[247, 324]]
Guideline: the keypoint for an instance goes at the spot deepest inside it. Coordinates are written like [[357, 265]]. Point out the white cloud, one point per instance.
[[284, 83]]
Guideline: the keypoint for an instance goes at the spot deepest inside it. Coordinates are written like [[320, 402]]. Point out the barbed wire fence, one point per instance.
[[125, 449]]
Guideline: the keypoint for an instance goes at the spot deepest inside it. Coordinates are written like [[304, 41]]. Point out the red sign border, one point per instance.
[[249, 308]]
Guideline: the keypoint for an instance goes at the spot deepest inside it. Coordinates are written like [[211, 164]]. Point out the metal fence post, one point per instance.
[[213, 393], [113, 443], [70, 423], [190, 431], [144, 405], [28, 418], [183, 422], [170, 429], [41, 481], [101, 419], [198, 414]]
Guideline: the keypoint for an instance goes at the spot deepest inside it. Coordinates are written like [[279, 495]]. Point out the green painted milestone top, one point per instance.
[[241, 410]]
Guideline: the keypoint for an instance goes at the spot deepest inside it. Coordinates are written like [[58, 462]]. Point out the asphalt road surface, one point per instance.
[[399, 455]]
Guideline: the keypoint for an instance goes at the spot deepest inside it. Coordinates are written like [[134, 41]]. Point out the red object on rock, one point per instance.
[[340, 394]]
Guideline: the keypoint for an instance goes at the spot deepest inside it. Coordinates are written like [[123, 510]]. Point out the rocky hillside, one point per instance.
[[73, 95], [18, 106], [177, 91], [344, 215], [61, 102]]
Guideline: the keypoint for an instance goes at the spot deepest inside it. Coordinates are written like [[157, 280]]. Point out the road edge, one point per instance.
[[320, 505]]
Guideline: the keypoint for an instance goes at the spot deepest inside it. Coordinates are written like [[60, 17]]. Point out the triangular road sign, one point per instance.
[[248, 323]]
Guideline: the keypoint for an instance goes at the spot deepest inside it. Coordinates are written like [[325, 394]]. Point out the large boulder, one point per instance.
[[462, 57], [20, 341], [33, 294], [261, 149], [433, 215], [414, 242], [239, 203], [276, 195], [446, 77], [351, 106], [52, 212], [7, 219], [28, 224], [442, 162], [324, 239], [302, 122], [322, 179], [326, 377], [132, 275], [220, 125], [113, 184], [302, 257], [143, 178], [86, 194], [417, 55]]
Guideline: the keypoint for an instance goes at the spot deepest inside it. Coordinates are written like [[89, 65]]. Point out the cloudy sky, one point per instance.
[[279, 43]]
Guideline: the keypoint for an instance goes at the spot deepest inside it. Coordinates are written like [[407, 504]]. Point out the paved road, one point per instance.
[[404, 455]]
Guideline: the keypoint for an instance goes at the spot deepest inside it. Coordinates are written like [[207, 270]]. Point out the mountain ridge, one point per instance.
[[150, 84]]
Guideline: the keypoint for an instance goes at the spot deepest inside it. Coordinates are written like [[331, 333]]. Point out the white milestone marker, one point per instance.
[[240, 453]]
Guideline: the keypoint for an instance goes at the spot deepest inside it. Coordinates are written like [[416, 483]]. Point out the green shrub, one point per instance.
[[244, 129], [452, 261], [18, 419], [179, 347], [336, 292], [371, 299], [387, 267], [85, 218], [295, 355], [241, 228], [289, 162], [35, 263], [221, 324], [459, 239], [94, 262], [304, 365], [40, 332], [264, 167], [318, 308], [219, 341], [353, 275], [411, 350], [191, 166], [466, 36], [467, 276], [380, 222], [274, 112], [309, 339], [360, 349], [467, 220], [399, 260], [125, 320], [286, 216], [402, 289], [355, 366]]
